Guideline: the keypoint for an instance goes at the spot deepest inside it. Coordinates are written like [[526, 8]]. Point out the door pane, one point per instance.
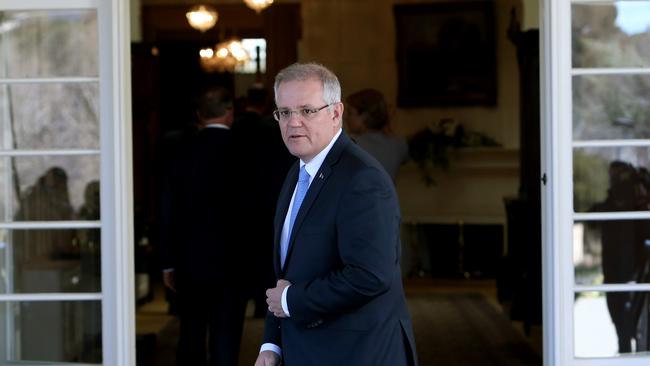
[[612, 34], [51, 331], [611, 251], [50, 116], [607, 324], [54, 188], [611, 106], [48, 43], [50, 260], [611, 179]]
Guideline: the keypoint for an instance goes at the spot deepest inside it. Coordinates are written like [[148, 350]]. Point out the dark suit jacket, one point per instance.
[[200, 233], [346, 301]]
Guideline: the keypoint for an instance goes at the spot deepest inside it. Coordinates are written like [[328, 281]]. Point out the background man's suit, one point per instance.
[[257, 139], [346, 301], [203, 252]]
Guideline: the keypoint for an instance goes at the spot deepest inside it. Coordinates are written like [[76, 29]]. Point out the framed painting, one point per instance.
[[446, 54]]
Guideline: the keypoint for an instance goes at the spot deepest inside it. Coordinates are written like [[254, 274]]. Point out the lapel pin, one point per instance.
[[321, 176]]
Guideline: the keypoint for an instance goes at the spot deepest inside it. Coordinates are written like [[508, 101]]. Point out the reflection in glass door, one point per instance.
[[49, 187], [604, 204], [65, 183]]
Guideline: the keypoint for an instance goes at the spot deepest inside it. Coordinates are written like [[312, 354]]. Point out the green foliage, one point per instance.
[[590, 180], [430, 147], [608, 106]]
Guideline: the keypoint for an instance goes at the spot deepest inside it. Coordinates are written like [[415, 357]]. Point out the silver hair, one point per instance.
[[311, 70]]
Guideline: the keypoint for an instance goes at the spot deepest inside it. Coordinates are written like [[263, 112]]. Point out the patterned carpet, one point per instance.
[[464, 329], [450, 329]]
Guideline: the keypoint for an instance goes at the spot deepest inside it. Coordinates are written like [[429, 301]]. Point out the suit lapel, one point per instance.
[[315, 187], [281, 212]]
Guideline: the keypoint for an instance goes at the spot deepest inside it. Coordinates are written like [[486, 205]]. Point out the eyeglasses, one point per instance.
[[284, 115]]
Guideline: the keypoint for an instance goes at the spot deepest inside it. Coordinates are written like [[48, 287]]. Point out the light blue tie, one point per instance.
[[301, 191]]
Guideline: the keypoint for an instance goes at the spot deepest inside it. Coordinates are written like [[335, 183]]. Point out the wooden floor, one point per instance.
[[157, 331]]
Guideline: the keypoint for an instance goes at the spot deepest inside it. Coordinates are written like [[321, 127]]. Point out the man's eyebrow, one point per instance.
[[309, 106]]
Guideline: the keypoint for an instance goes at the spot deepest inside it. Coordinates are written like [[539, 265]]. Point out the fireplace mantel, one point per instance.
[[471, 191]]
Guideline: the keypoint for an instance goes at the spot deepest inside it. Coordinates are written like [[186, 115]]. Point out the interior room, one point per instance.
[[515, 134], [461, 84], [464, 96]]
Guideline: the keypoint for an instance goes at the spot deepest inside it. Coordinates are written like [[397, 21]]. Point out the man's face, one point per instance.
[[306, 137]]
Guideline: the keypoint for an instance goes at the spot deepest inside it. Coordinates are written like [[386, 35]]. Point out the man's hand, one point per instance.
[[274, 298], [268, 358], [169, 280]]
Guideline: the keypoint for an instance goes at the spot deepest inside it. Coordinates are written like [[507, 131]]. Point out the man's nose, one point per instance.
[[295, 118]]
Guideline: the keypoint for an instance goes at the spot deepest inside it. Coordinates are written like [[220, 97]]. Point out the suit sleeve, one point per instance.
[[272, 331], [367, 225], [167, 212]]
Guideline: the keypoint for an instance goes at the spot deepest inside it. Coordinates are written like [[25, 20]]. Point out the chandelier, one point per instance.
[[258, 5], [202, 17], [225, 56]]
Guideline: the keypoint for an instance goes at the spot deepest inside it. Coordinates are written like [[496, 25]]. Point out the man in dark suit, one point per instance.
[[339, 298], [201, 255]]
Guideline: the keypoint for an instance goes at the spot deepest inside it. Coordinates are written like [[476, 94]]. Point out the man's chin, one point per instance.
[[297, 151]]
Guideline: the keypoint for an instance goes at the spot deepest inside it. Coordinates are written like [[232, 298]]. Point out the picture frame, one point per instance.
[[446, 54]]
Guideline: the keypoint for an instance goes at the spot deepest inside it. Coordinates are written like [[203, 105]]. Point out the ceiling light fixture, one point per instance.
[[258, 5], [202, 17], [225, 57]]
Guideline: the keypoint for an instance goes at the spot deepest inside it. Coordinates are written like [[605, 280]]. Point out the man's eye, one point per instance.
[[308, 111], [285, 113]]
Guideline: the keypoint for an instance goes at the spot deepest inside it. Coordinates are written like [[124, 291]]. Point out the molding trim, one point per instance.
[[118, 320]]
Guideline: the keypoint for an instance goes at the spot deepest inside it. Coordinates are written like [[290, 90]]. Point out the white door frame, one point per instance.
[[118, 320], [557, 195], [118, 296], [553, 62]]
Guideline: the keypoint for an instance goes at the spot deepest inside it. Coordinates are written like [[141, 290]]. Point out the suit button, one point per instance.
[[314, 324]]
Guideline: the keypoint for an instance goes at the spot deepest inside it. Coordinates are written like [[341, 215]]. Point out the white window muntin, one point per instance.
[[46, 80], [53, 152], [610, 71], [52, 296], [611, 143], [49, 4]]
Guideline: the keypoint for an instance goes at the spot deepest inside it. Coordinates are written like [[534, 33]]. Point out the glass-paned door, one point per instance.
[[61, 163], [598, 107]]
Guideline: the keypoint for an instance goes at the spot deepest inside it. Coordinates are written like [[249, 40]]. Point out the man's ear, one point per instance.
[[338, 112]]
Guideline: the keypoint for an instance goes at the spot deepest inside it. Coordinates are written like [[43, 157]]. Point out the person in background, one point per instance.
[[624, 253], [258, 142], [201, 255], [47, 199], [339, 298], [367, 121]]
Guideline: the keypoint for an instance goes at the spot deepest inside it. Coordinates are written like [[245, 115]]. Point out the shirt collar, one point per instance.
[[217, 125], [314, 164]]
